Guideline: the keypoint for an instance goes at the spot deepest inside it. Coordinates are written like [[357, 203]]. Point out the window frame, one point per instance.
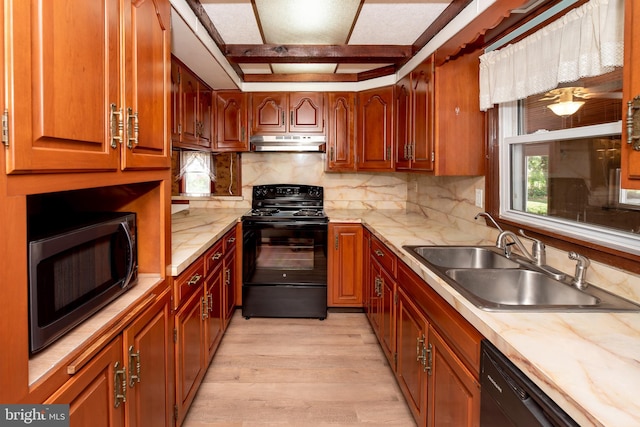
[[616, 257]]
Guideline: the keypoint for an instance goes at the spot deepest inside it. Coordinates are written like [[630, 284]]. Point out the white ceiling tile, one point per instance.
[[255, 68], [391, 23], [234, 20], [303, 68], [357, 68], [306, 22]]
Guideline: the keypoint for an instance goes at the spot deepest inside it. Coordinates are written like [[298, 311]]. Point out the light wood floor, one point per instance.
[[299, 372]]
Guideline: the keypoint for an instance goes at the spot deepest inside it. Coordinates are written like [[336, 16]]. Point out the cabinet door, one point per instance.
[[176, 102], [375, 296], [375, 130], [387, 316], [268, 113], [189, 351], [215, 307], [58, 102], [229, 292], [205, 116], [422, 111], [231, 122], [90, 393], [454, 393], [411, 372], [630, 159], [345, 268], [147, 73], [459, 123], [306, 112], [147, 343], [341, 132], [189, 102], [404, 124]]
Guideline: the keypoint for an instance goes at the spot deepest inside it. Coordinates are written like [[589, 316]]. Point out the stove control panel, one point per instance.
[[296, 192]]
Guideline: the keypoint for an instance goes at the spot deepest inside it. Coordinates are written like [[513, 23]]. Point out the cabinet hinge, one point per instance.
[[179, 77], [395, 297], [433, 156], [175, 335], [5, 127], [179, 128], [175, 412], [395, 360]]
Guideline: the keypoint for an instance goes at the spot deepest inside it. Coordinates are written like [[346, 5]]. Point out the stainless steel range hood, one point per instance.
[[289, 143]]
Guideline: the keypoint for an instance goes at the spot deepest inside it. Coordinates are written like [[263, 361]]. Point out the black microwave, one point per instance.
[[77, 265]]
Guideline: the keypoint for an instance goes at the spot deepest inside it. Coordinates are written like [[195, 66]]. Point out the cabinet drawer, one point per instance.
[[229, 241], [384, 256], [189, 280], [459, 334], [213, 257]]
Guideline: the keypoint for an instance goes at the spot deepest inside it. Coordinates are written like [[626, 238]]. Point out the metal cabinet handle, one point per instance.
[[115, 119], [227, 273], [133, 128], [210, 298], [632, 108], [204, 308], [119, 385], [231, 239], [194, 279], [134, 378], [216, 256], [379, 253]]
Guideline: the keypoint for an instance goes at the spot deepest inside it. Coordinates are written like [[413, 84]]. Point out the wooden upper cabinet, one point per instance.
[[147, 78], [459, 123], [60, 100], [231, 122], [306, 112], [375, 148], [193, 110], [414, 119], [341, 119], [630, 159], [295, 112]]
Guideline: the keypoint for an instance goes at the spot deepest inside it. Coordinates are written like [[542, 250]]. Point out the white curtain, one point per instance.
[[196, 161], [586, 42]]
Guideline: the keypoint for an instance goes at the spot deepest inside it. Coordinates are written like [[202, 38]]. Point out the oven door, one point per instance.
[[285, 253]]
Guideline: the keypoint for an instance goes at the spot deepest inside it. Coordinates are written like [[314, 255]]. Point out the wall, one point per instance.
[[341, 190], [452, 200]]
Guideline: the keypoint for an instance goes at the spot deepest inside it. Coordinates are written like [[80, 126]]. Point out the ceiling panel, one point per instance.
[[234, 20], [391, 23]]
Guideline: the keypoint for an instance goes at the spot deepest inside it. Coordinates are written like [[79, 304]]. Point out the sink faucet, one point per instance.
[[581, 269], [488, 215]]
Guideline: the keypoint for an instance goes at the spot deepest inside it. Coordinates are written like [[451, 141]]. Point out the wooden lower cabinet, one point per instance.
[[147, 346], [433, 351], [454, 392], [90, 393], [412, 332], [190, 355], [344, 266], [214, 322], [128, 383]]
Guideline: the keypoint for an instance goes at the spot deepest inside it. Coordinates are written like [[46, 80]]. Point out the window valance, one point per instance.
[[586, 42]]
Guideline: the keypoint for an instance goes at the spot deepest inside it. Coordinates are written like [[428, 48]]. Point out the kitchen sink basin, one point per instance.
[[493, 282], [463, 256], [495, 288]]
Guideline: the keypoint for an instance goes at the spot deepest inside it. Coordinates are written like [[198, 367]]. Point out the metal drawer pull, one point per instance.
[[115, 118], [194, 279], [133, 128], [216, 256], [632, 108], [134, 378], [119, 385], [379, 252]]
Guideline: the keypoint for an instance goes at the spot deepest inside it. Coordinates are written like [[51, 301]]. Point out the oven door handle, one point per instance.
[[131, 263]]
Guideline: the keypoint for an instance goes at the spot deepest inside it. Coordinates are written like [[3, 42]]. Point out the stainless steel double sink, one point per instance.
[[493, 282]]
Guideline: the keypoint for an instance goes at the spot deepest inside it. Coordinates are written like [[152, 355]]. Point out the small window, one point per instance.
[[564, 170], [197, 173]]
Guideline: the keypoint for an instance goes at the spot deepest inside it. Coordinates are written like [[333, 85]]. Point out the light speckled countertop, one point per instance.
[[589, 363]]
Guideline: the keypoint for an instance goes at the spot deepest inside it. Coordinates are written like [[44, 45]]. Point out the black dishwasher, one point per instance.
[[509, 398]]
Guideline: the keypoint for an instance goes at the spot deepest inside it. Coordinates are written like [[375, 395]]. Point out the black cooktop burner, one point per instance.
[[287, 201]]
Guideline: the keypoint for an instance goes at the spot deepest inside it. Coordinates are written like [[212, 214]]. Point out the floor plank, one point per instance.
[[299, 372]]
